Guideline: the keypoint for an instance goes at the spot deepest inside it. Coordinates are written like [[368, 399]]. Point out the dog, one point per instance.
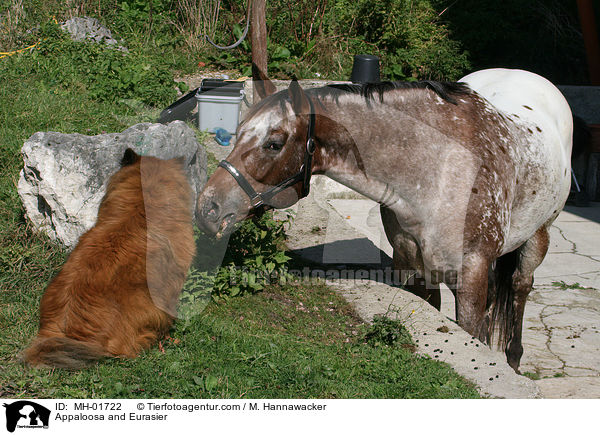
[[117, 293]]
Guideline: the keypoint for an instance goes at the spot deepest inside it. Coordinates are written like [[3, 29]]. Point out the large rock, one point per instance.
[[64, 176], [82, 28]]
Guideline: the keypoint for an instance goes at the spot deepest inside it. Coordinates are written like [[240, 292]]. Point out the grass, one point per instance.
[[286, 342], [293, 341]]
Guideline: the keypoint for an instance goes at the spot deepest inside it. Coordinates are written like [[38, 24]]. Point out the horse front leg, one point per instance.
[[471, 296], [415, 283], [408, 261]]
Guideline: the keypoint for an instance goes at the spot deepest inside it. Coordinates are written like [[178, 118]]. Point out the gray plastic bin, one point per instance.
[[219, 107]]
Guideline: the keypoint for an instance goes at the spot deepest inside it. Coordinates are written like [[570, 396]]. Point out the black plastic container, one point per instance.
[[220, 87], [180, 109], [365, 69]]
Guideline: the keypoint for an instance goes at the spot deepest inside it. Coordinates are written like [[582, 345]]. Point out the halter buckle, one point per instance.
[[256, 201], [310, 146]]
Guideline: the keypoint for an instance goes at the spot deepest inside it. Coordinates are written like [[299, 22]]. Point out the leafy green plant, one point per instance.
[[534, 376], [387, 332], [255, 257], [412, 41], [307, 38]]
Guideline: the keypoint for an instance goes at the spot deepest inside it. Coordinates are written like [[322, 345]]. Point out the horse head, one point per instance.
[[269, 165]]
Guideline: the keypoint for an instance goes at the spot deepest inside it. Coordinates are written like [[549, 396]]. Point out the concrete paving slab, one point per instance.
[[558, 243], [581, 236], [567, 267], [569, 387]]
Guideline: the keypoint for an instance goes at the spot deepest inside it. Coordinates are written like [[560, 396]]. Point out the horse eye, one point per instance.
[[274, 145]]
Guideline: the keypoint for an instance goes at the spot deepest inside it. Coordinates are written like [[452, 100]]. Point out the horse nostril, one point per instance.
[[211, 211]]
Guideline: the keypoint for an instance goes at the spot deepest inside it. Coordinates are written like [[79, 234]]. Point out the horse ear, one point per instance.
[[263, 87], [129, 158], [298, 97]]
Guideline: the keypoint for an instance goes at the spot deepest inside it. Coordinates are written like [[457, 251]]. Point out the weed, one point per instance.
[[533, 376], [564, 286], [387, 332]]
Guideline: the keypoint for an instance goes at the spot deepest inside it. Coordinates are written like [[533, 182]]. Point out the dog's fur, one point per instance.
[[118, 291]]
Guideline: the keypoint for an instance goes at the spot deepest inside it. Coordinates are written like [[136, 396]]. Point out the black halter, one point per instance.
[[260, 199]]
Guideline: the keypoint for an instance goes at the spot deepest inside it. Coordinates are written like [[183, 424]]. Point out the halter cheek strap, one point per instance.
[[259, 199]]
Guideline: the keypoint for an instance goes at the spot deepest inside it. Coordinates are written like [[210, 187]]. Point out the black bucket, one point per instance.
[[365, 69]]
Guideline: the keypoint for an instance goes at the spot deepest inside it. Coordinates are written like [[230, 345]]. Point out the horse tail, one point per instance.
[[62, 352], [500, 299]]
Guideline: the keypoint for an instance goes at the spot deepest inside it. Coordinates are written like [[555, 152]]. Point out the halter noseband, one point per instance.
[[260, 199]]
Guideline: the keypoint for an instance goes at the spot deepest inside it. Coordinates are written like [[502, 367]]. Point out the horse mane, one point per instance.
[[446, 90]]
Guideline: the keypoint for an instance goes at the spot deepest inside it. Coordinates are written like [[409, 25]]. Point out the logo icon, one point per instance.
[[26, 414]]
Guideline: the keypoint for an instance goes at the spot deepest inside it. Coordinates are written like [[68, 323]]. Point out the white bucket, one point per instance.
[[217, 111]]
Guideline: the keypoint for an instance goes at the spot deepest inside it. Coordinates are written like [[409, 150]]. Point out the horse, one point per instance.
[[118, 291], [469, 176]]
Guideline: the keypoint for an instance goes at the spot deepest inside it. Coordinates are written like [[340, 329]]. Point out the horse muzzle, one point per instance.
[[216, 217]]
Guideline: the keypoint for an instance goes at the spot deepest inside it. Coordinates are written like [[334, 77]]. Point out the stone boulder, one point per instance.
[[65, 175], [82, 28]]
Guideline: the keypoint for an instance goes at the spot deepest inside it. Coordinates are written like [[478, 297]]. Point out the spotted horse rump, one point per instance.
[[469, 176]]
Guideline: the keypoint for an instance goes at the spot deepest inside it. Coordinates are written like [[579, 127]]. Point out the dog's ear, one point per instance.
[[129, 158]]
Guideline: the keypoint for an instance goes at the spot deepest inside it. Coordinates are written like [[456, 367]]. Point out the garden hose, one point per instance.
[[239, 41], [10, 53]]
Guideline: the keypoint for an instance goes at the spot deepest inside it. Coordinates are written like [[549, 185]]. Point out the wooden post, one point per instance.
[[258, 38], [590, 39]]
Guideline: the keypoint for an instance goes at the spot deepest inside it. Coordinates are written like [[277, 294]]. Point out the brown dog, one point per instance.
[[118, 291]]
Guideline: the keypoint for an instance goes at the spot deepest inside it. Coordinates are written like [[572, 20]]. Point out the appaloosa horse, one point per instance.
[[469, 176]]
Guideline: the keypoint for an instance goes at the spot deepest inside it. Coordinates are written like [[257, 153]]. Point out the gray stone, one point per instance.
[[64, 176], [82, 28]]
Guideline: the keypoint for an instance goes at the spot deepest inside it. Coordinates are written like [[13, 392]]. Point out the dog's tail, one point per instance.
[[62, 352]]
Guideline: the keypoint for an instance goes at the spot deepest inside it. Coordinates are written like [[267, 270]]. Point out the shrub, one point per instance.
[[409, 37], [103, 72], [307, 37], [387, 332], [255, 257]]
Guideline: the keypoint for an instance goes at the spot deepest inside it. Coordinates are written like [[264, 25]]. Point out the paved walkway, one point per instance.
[[561, 337]]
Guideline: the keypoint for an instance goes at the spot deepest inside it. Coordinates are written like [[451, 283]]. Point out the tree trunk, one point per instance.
[[258, 37], [590, 37]]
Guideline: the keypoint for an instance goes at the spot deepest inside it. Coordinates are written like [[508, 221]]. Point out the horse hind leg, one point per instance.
[[531, 255], [513, 281]]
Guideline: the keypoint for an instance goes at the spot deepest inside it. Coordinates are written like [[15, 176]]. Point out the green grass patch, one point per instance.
[[285, 342]]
